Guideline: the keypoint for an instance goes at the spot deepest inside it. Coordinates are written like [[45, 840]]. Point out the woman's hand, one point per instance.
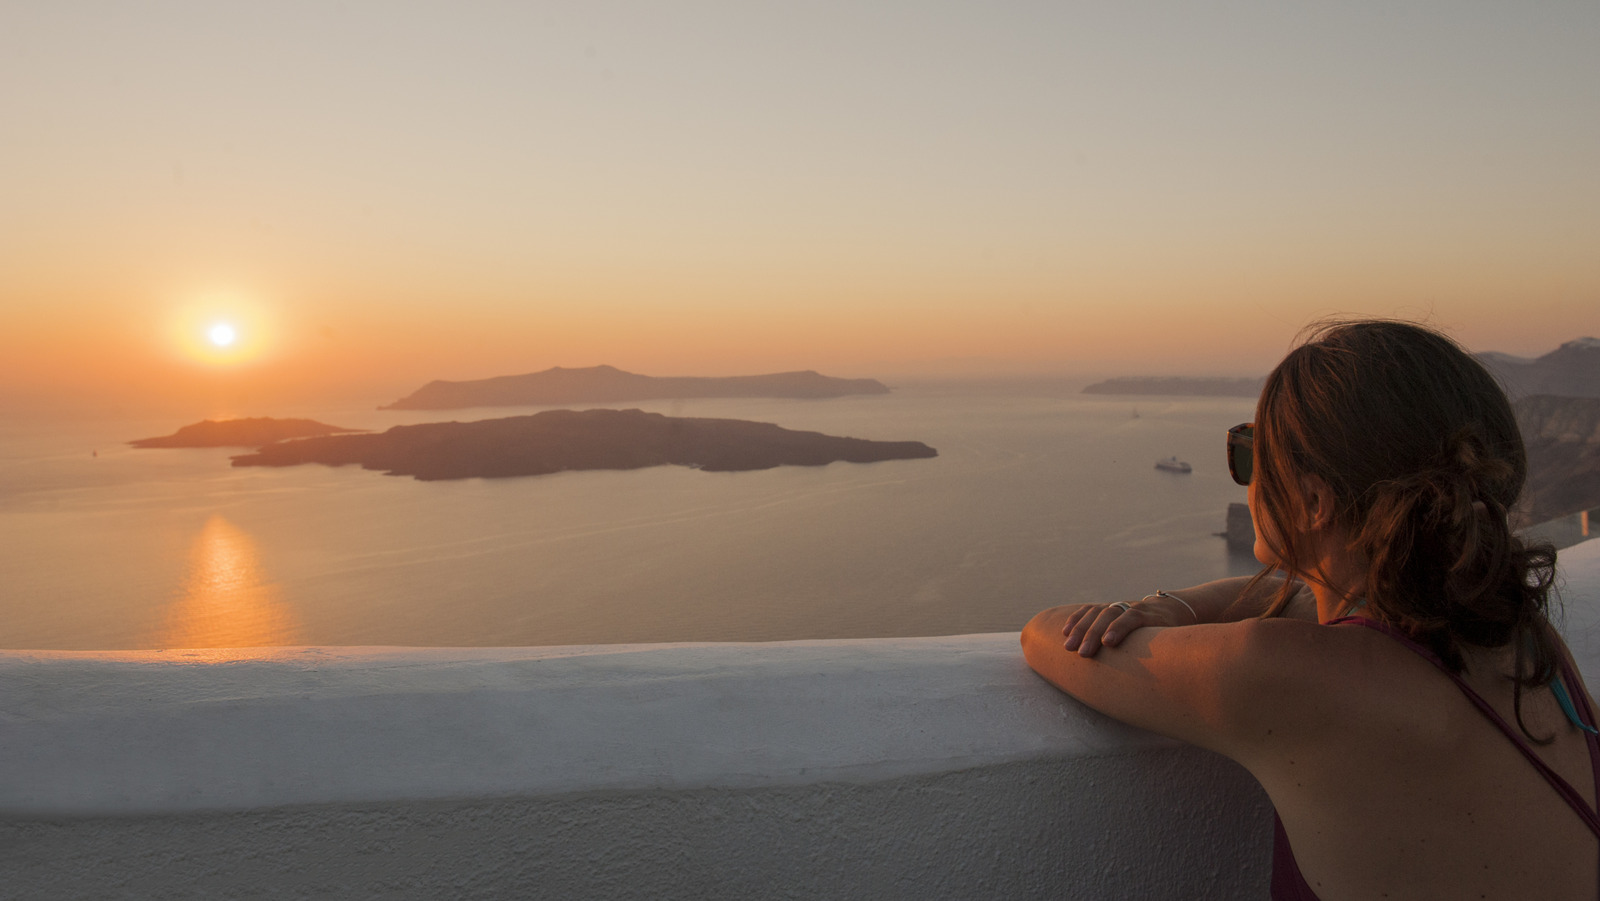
[[1092, 626], [1089, 627]]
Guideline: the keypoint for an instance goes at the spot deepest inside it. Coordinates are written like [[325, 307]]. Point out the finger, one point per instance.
[[1127, 620], [1072, 623], [1078, 622], [1090, 645], [1073, 617]]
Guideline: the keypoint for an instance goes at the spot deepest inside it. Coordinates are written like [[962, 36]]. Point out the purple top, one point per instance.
[[1287, 882]]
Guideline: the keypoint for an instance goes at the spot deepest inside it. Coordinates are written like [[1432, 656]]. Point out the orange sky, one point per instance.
[[378, 196]]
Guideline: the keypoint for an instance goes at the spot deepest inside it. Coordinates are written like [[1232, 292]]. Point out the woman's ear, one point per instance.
[[1317, 503]]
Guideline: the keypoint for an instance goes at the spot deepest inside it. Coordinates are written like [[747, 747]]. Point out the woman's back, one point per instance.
[[1418, 793]]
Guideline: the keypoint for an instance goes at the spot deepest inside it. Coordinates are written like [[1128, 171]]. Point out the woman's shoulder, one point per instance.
[[1286, 648], [1300, 654], [1299, 681], [1233, 687]]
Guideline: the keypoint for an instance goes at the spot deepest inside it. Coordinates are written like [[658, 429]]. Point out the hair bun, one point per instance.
[[1491, 476]]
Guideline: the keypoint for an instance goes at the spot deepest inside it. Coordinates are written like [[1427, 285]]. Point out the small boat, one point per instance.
[[1173, 464]]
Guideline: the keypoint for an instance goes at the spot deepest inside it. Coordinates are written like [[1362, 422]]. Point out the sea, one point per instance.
[[1040, 495]]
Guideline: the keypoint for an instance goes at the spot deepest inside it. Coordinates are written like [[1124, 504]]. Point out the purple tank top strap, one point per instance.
[[1580, 699], [1288, 883], [1562, 786]]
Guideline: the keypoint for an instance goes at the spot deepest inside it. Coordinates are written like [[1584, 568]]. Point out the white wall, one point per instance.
[[899, 768]]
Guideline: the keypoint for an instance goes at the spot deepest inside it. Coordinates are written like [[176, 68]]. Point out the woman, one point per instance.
[[1381, 466]]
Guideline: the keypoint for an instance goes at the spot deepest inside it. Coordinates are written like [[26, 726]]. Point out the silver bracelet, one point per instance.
[[1162, 593]]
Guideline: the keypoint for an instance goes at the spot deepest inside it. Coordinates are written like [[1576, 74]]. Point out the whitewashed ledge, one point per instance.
[[899, 768]]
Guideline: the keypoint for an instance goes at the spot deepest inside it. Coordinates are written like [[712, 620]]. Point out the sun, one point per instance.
[[224, 329]]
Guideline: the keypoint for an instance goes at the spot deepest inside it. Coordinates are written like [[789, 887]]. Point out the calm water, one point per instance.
[[1034, 500]]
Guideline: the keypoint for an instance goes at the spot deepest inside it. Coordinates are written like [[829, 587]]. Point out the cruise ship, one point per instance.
[[1173, 464]]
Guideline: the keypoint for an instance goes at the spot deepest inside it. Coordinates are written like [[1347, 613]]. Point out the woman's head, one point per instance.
[[1416, 453]]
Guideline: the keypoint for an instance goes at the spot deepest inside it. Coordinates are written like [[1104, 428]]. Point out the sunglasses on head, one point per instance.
[[1241, 452]]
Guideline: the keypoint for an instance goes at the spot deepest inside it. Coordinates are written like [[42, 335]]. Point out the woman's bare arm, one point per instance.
[[1089, 626], [1217, 685]]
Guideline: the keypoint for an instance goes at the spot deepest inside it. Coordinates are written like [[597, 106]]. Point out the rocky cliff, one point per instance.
[[1562, 435], [1571, 370]]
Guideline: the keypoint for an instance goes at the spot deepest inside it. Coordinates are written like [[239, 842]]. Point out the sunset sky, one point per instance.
[[377, 194]]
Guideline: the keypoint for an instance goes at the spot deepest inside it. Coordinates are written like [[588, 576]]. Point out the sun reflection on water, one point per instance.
[[228, 601]]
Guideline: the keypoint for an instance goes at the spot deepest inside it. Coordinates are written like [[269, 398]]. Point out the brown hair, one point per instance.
[[1423, 457]]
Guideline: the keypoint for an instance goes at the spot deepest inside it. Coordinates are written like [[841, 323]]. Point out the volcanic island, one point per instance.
[[252, 432], [608, 385], [562, 440]]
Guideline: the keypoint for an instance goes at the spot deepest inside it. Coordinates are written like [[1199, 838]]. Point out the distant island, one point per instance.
[[1179, 385], [559, 440], [607, 384], [253, 432]]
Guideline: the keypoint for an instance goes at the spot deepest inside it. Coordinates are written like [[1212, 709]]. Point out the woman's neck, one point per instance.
[[1338, 581], [1338, 588], [1332, 603]]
